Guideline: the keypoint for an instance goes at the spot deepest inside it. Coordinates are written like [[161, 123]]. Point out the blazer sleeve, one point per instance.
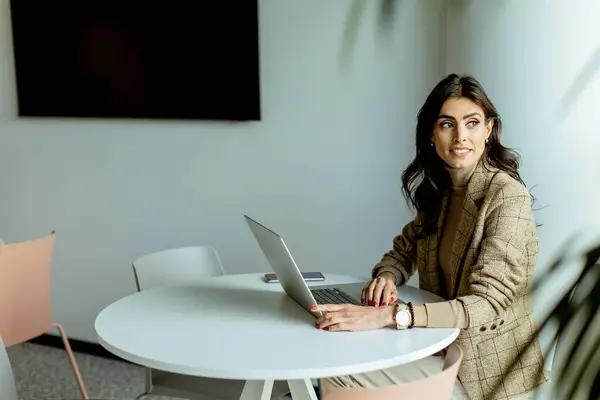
[[401, 259], [504, 262]]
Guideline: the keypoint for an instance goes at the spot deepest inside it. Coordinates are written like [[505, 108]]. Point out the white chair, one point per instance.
[[8, 389], [184, 266], [177, 266]]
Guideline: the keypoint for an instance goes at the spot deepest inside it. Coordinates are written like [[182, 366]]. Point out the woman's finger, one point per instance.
[[331, 320], [319, 320], [388, 294], [365, 292], [394, 294], [337, 327], [327, 307], [326, 319], [371, 291], [379, 287]]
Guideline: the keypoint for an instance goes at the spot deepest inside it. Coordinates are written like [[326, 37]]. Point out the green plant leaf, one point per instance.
[[574, 386], [589, 308]]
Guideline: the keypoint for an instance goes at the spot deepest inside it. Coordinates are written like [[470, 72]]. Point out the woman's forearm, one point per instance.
[[420, 316], [447, 314]]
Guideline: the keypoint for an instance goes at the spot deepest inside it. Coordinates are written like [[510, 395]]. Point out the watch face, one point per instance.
[[403, 318]]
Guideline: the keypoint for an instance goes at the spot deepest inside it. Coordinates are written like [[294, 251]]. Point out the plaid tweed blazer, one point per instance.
[[493, 257]]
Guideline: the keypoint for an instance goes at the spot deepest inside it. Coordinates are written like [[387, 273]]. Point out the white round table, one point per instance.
[[239, 327]]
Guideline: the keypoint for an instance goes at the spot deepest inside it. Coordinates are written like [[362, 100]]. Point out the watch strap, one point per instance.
[[411, 309]]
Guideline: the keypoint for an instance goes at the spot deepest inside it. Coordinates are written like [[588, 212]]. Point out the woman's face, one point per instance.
[[460, 132]]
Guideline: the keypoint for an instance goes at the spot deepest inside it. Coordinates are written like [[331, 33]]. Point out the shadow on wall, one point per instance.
[[388, 10], [583, 80]]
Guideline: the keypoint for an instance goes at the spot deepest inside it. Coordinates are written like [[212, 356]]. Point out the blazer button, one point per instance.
[[493, 327], [482, 329]]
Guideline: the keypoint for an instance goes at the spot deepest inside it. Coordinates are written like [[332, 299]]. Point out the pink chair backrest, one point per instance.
[[25, 306], [435, 387]]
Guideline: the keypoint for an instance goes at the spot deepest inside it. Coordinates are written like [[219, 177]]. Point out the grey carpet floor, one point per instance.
[[44, 373]]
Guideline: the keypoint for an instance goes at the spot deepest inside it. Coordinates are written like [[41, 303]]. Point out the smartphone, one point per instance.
[[308, 276]]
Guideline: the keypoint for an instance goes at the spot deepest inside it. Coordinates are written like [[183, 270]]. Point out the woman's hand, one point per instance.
[[349, 317], [380, 291]]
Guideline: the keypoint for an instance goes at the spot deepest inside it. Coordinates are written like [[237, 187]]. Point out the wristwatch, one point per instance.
[[403, 316]]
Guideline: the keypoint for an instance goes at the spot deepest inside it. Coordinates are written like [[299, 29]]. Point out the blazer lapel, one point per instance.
[[466, 226]]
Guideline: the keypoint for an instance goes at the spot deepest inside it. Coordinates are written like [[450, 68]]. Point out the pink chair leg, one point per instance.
[[65, 340]]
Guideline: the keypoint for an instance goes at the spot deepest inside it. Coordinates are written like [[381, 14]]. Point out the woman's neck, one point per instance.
[[460, 176]]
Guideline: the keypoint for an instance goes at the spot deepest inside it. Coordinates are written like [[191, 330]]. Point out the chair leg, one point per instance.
[[65, 341]]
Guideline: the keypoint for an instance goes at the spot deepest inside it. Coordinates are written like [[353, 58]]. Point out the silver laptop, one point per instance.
[[289, 275]]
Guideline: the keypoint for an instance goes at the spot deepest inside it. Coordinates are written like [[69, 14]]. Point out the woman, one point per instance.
[[473, 242]]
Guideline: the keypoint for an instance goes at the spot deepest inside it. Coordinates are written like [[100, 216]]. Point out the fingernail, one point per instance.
[[384, 304], [392, 300], [362, 300], [370, 302], [326, 328], [313, 307], [376, 304]]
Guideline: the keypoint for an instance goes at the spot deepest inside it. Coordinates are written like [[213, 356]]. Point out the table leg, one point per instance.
[[257, 390], [302, 390]]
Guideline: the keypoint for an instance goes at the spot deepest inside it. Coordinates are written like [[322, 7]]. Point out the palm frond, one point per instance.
[[584, 306], [574, 316]]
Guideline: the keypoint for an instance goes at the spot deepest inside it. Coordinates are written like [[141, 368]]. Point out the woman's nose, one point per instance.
[[460, 134]]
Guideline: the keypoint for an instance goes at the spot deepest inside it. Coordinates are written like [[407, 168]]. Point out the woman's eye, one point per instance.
[[446, 124], [472, 123]]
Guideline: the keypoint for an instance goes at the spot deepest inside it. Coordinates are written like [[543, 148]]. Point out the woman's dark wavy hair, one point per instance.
[[426, 179]]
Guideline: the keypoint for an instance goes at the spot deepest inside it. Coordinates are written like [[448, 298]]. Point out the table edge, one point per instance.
[[267, 374]]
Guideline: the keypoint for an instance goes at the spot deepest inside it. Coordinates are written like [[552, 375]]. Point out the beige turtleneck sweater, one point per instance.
[[452, 313]]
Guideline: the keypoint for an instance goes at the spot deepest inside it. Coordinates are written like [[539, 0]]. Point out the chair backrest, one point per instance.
[[8, 389], [182, 265], [435, 387], [25, 305]]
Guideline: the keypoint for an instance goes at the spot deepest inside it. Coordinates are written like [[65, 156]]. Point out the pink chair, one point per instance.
[[25, 306], [435, 387]]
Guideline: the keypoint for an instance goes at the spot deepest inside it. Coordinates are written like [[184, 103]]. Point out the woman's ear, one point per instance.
[[489, 126]]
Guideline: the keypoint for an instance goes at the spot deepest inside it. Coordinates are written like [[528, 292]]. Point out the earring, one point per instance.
[[431, 144]]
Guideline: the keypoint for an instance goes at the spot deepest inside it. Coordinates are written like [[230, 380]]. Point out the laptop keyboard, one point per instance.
[[332, 296]]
